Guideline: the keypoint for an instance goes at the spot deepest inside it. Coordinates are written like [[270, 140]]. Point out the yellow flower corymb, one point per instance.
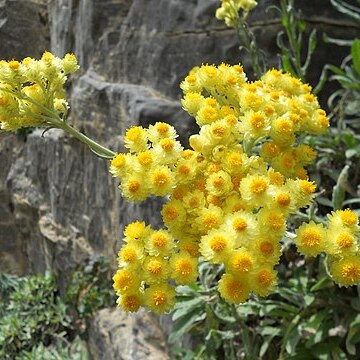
[[32, 92], [228, 196]]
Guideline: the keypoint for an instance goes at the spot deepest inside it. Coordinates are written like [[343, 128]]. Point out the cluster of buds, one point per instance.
[[32, 91], [229, 10], [231, 194]]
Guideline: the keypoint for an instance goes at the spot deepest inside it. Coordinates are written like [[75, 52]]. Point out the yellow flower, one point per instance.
[[35, 93], [275, 178], [264, 280], [160, 242], [194, 201], [306, 154], [34, 100], [145, 159], [254, 189], [184, 268], [341, 242], [131, 255], [218, 132], [310, 239], [216, 246], [346, 272], [251, 101], [70, 63], [229, 10], [191, 84], [192, 102], [319, 122], [269, 150], [234, 161], [162, 181], [130, 302], [167, 151], [159, 298], [266, 249], [303, 191], [234, 289], [206, 115], [271, 222], [136, 139], [254, 124], [240, 262], [242, 225], [125, 281], [189, 245], [134, 187], [136, 231], [283, 200], [344, 219], [186, 170], [173, 214], [209, 218], [156, 270], [121, 164], [208, 75], [282, 131], [234, 203], [286, 162], [219, 183]]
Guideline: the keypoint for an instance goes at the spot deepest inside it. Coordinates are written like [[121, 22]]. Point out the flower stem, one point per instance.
[[98, 149]]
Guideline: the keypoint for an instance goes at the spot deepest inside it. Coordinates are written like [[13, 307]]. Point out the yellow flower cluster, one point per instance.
[[229, 197], [147, 262], [339, 241], [229, 10], [32, 90]]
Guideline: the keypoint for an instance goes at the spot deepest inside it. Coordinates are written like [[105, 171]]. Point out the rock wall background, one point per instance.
[[58, 203]]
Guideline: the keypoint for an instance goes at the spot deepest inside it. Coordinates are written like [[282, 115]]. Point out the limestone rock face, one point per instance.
[[114, 335], [23, 28]]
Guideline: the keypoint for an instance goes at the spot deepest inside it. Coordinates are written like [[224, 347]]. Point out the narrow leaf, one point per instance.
[[355, 53]]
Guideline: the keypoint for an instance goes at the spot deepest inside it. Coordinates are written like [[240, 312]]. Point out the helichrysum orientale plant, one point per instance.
[[228, 197]]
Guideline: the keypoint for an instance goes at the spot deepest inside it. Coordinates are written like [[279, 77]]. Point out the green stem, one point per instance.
[[289, 20], [247, 341], [246, 40], [98, 149], [52, 119], [315, 218]]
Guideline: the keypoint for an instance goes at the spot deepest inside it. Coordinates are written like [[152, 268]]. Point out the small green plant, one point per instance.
[[339, 149], [36, 323], [32, 312], [294, 58], [61, 350], [90, 287], [235, 13]]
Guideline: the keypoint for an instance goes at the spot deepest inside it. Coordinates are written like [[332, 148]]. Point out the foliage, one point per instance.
[[62, 350], [24, 132], [292, 48], [36, 323], [32, 314], [235, 13], [340, 148], [90, 287]]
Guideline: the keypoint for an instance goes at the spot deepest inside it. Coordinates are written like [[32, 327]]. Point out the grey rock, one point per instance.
[[115, 335], [24, 29]]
